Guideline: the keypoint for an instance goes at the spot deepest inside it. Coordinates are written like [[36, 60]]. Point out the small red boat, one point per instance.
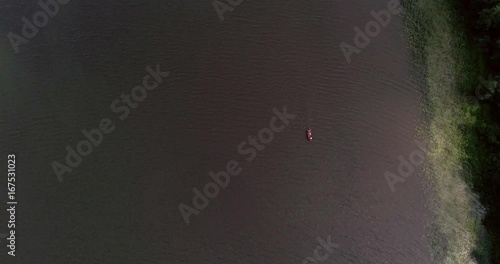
[[309, 134]]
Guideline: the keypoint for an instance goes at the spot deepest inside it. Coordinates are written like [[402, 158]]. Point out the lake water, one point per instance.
[[120, 205]]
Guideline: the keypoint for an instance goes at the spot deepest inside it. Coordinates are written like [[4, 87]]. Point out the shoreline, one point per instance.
[[449, 67]]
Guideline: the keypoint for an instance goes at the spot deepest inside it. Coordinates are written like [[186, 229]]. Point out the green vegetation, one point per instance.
[[456, 44], [483, 18]]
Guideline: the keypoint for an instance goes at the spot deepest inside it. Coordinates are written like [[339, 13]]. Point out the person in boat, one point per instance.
[[309, 134]]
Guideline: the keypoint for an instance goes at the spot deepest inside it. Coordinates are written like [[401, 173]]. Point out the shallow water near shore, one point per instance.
[[120, 205]]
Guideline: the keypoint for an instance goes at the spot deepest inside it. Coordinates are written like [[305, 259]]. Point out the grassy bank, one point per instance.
[[450, 64]]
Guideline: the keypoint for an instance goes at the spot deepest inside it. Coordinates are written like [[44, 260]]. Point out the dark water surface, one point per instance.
[[120, 205]]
